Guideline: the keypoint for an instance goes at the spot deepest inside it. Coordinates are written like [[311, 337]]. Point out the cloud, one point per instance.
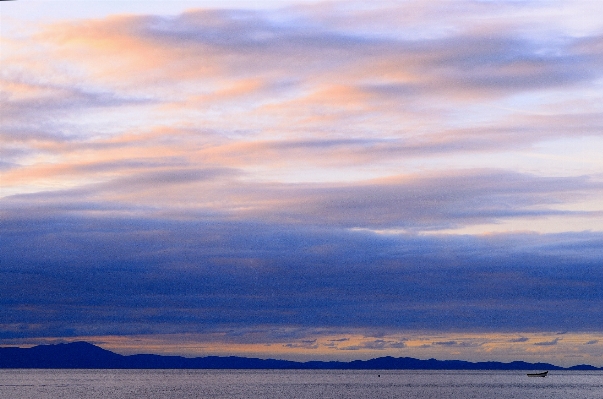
[[309, 91], [305, 344], [481, 61], [271, 174], [429, 202], [63, 99], [415, 203], [378, 344], [547, 343], [86, 275], [224, 53], [446, 343]]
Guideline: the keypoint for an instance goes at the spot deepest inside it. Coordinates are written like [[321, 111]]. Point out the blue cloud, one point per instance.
[[87, 276]]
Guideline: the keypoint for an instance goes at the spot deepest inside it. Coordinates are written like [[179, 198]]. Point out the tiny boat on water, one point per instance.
[[543, 374]]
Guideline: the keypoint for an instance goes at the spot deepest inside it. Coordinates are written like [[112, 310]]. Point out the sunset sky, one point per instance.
[[304, 179]]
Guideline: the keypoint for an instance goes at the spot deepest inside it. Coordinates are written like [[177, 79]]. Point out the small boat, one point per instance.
[[543, 374]]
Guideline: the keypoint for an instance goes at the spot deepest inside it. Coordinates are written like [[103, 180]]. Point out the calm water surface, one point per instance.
[[233, 384]]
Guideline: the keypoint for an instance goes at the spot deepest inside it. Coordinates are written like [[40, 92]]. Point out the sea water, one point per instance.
[[293, 384]]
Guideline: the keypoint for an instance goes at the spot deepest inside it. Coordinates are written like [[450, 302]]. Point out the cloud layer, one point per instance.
[[327, 166]]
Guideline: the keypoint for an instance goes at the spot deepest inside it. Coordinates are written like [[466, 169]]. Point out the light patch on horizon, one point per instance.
[[563, 349]]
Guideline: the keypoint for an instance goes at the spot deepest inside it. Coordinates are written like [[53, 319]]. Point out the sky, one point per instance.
[[304, 180]]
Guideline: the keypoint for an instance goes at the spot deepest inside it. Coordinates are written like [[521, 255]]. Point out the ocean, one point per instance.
[[294, 384]]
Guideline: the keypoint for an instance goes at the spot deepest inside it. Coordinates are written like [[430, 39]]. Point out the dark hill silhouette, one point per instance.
[[74, 355], [83, 355]]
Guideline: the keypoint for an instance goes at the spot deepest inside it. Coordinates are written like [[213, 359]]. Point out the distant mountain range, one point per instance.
[[83, 355]]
